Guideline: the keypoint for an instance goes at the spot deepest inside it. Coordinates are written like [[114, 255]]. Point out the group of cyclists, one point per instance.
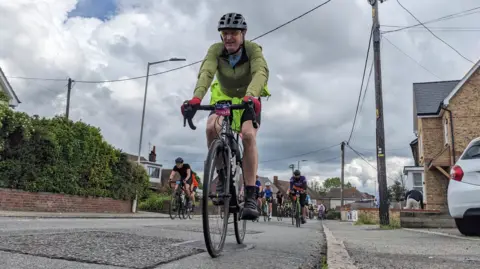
[[189, 184]]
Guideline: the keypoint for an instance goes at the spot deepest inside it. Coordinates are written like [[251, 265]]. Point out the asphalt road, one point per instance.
[[371, 247], [152, 243]]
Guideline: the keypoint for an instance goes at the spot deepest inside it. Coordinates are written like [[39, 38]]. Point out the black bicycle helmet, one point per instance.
[[179, 160], [296, 173], [232, 21]]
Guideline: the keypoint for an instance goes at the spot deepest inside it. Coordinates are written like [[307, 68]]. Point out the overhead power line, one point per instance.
[[443, 18], [410, 57], [398, 1], [191, 64], [361, 85], [365, 160]]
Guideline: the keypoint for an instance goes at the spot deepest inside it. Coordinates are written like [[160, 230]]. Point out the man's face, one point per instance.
[[297, 177], [232, 39], [179, 165]]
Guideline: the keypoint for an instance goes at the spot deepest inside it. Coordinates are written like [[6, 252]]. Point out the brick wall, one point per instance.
[[18, 200], [433, 140], [466, 113], [436, 189]]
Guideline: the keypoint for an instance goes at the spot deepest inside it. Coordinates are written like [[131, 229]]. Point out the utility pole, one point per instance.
[[381, 168], [68, 97], [342, 148]]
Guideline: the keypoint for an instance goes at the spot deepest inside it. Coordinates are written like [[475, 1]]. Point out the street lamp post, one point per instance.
[[292, 166], [145, 99], [134, 204], [298, 163]]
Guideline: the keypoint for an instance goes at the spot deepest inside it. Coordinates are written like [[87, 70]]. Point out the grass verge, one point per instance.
[[364, 219]]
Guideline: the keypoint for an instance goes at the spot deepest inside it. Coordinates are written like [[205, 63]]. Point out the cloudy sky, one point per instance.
[[316, 65]]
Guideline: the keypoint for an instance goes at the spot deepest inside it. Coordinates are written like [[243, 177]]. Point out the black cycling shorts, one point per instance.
[[189, 182], [246, 116], [269, 199]]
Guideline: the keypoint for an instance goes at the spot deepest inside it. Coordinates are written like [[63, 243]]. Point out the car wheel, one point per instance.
[[467, 226]]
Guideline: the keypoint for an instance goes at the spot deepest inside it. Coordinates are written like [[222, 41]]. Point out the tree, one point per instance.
[[335, 182], [397, 191], [316, 186]]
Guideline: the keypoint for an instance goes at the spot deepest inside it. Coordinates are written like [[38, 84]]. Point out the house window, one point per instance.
[[417, 179], [445, 132], [417, 182], [154, 172]]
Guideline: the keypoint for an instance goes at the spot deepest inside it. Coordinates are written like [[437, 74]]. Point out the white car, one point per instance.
[[464, 190]]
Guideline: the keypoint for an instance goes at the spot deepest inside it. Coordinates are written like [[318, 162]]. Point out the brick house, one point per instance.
[[332, 199], [8, 90], [446, 118]]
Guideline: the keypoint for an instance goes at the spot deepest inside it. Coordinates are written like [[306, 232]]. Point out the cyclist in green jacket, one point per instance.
[[242, 74]]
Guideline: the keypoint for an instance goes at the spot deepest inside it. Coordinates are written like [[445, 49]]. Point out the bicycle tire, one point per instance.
[[209, 170], [297, 217], [239, 231], [279, 213], [173, 201]]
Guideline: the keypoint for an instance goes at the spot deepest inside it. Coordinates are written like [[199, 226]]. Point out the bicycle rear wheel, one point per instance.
[[217, 151], [279, 213], [240, 226]]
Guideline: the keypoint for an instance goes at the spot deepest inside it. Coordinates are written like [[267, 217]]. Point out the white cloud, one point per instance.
[[315, 66]]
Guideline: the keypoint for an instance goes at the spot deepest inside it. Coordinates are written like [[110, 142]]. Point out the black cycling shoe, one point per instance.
[[250, 209]]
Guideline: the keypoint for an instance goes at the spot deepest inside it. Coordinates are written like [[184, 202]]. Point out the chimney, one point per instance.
[[275, 180], [152, 157]]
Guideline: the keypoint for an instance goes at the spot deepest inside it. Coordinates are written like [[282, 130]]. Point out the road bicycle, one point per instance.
[[178, 203], [265, 210], [224, 153], [279, 212], [297, 209]]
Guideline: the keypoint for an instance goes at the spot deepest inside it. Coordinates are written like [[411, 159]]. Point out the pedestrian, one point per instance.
[[414, 199]]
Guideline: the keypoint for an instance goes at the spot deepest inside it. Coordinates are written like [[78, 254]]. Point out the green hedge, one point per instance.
[[154, 202], [60, 156]]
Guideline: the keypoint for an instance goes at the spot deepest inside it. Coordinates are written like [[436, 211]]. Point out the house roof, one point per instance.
[[9, 89], [459, 85], [429, 95], [350, 193], [134, 158]]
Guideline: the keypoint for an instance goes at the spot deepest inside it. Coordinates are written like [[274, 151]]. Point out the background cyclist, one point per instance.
[[185, 172], [269, 198], [259, 193], [299, 182]]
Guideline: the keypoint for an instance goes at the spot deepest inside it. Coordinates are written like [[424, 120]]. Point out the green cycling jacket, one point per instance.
[[248, 77]]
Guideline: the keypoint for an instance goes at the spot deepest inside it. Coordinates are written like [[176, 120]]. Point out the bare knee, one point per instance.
[[213, 125], [248, 136]]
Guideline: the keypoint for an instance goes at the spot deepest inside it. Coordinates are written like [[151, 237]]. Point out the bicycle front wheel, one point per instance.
[[173, 206], [218, 212]]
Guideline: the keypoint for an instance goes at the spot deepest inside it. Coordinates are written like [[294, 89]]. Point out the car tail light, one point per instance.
[[456, 173]]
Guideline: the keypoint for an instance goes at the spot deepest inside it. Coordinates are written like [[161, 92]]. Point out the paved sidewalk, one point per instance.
[[139, 215], [370, 247]]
